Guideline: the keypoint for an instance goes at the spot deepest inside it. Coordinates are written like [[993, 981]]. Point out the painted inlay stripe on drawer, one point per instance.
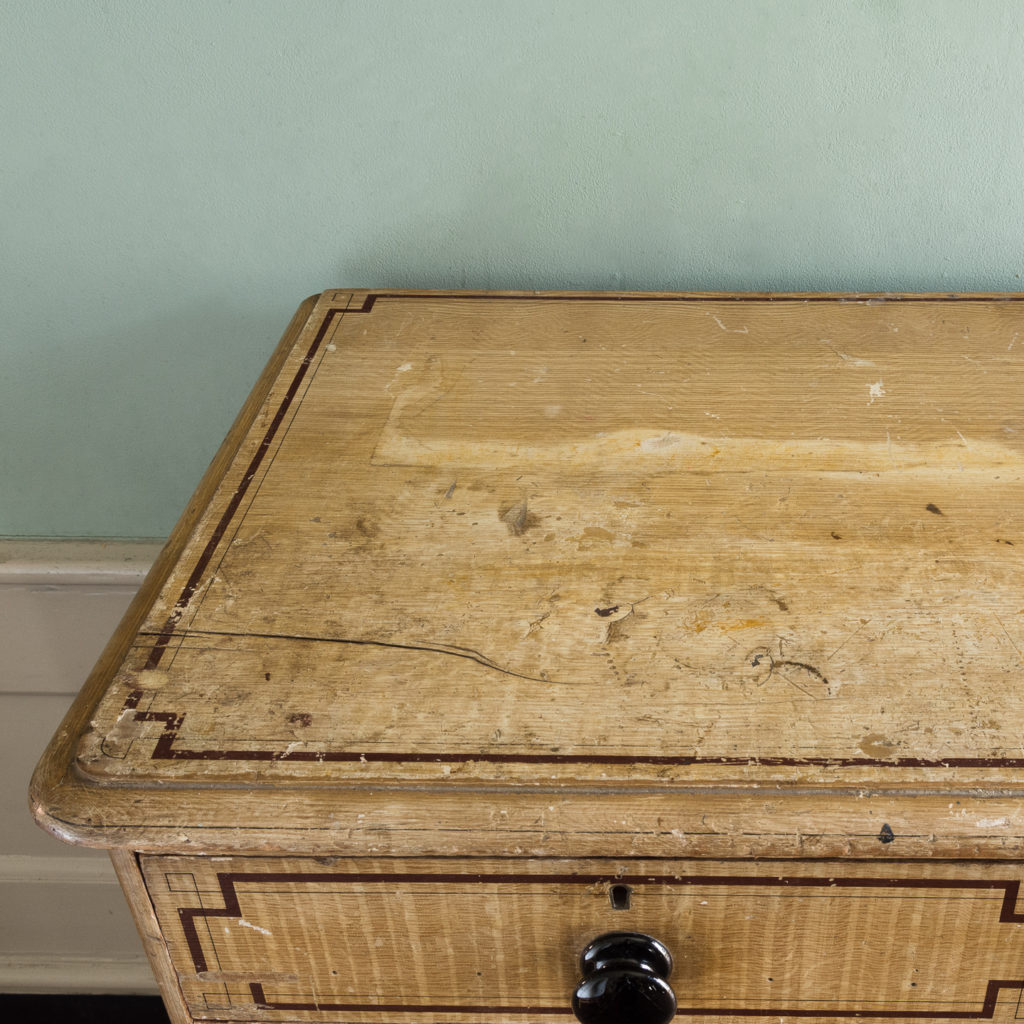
[[230, 882]]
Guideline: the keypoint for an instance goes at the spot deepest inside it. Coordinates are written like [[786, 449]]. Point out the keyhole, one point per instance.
[[620, 896]]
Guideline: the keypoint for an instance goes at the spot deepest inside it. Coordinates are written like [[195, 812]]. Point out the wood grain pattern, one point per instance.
[[129, 875], [658, 554], [492, 940]]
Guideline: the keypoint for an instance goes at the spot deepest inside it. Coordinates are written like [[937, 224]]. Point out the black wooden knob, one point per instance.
[[624, 981]]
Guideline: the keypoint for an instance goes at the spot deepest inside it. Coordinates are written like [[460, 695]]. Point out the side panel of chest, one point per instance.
[[489, 940]]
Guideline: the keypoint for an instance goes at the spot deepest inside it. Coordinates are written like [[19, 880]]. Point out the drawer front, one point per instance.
[[431, 940]]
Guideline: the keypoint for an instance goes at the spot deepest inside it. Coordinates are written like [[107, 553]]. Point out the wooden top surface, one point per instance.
[[602, 544]]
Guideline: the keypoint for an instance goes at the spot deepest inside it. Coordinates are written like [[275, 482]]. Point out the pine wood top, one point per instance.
[[694, 549]]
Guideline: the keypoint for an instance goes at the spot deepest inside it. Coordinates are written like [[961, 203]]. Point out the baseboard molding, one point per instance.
[[65, 926], [59, 603], [77, 867], [49, 938], [49, 974], [79, 562]]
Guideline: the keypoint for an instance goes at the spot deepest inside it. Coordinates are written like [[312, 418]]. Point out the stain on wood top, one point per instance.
[[661, 542]]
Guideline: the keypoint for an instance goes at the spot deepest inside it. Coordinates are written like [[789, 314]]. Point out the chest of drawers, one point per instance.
[[504, 622]]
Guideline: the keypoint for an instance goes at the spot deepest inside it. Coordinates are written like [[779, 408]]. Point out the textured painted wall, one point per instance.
[[176, 177]]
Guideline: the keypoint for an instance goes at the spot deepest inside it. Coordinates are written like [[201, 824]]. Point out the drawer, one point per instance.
[[459, 940]]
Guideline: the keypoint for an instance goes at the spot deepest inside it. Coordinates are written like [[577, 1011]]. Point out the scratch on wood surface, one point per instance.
[[242, 541], [450, 649], [730, 330], [847, 640], [404, 368], [1008, 637], [802, 667], [536, 624], [255, 927], [852, 360], [776, 665]]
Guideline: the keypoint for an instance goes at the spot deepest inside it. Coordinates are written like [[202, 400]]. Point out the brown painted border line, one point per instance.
[[230, 880], [987, 1012], [165, 750], [260, 999]]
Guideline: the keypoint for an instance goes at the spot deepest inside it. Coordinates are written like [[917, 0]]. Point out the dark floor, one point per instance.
[[30, 1009]]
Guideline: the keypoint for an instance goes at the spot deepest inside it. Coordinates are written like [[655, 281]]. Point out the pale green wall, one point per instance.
[[176, 176]]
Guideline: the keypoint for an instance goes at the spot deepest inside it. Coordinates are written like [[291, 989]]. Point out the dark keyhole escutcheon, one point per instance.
[[624, 981]]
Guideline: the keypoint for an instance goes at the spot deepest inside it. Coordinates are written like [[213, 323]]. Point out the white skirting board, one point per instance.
[[66, 928], [64, 925], [63, 975]]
